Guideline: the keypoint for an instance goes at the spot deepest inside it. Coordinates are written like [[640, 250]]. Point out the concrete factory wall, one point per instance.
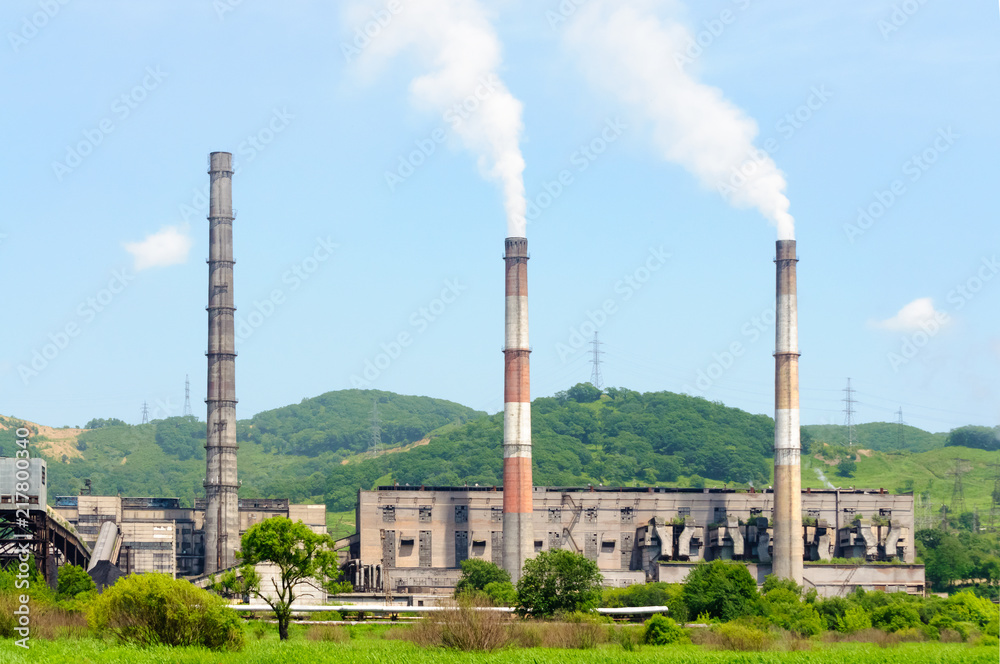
[[141, 521], [412, 538]]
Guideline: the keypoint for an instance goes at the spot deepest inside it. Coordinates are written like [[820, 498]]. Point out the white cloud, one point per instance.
[[914, 316], [168, 246]]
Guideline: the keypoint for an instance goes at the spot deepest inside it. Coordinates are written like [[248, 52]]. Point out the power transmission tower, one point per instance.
[[595, 375], [376, 444], [187, 395], [849, 402], [145, 413], [900, 434], [957, 506]]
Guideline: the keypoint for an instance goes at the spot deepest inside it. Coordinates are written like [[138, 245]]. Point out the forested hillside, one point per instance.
[[277, 448], [316, 451], [879, 436]]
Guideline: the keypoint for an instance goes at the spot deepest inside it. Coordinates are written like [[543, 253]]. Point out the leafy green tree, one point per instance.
[[847, 467], [583, 393], [300, 555], [73, 580], [477, 574], [946, 558], [558, 581], [236, 583], [854, 620], [723, 590], [896, 616], [981, 438], [501, 593], [98, 423]]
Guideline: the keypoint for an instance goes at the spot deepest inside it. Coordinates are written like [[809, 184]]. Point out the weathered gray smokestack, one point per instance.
[[222, 528], [788, 548], [518, 537]]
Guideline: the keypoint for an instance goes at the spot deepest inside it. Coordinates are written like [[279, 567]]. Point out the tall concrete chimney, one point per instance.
[[518, 534], [222, 528], [788, 548]]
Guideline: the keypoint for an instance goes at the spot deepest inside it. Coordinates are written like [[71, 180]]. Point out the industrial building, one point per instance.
[[412, 539], [158, 535]]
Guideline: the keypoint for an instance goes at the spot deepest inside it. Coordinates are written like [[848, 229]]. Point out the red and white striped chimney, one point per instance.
[[788, 546], [518, 535]]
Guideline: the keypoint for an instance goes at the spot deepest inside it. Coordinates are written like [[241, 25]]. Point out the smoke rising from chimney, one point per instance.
[[632, 53], [455, 40]]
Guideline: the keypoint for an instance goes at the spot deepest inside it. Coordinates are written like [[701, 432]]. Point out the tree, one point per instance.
[[723, 590], [477, 574], [983, 438], [847, 467], [299, 553], [236, 584], [98, 423], [73, 580], [583, 393], [558, 581]]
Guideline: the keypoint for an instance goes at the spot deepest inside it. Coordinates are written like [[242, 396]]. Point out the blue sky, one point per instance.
[[895, 115]]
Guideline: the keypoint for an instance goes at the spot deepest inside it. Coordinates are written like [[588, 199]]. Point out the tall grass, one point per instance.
[[370, 650]]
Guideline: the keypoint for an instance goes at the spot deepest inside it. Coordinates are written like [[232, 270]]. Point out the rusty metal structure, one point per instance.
[[29, 529]]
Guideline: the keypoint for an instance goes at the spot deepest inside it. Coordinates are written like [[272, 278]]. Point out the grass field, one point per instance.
[[374, 650]]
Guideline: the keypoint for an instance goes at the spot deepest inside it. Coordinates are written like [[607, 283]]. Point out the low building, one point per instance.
[[413, 539]]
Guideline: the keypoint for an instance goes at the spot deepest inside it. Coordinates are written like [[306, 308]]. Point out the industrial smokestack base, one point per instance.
[[222, 527], [788, 547], [518, 534]]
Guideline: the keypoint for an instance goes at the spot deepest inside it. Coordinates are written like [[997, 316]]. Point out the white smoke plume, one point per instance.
[[456, 43], [631, 52]]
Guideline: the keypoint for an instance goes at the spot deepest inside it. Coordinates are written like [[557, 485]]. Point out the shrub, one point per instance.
[[73, 580], [558, 581], [629, 637], [967, 607], [854, 620], [477, 574], [469, 627], [895, 617], [579, 630], [661, 631], [501, 593], [724, 590], [656, 593], [739, 636], [150, 609]]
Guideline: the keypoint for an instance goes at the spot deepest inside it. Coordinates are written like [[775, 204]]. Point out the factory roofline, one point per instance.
[[629, 489]]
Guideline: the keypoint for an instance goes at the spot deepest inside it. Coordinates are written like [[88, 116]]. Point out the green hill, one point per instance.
[[316, 451], [880, 436], [281, 451], [929, 475]]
